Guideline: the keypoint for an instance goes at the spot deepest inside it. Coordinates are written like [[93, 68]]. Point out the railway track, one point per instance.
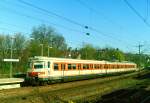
[[77, 91]]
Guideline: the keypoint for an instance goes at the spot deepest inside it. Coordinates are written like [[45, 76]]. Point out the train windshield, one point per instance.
[[38, 65]]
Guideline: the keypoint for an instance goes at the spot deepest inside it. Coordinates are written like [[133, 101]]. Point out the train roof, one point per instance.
[[54, 59]]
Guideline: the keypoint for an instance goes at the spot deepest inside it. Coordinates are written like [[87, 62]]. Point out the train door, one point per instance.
[[48, 67], [63, 69]]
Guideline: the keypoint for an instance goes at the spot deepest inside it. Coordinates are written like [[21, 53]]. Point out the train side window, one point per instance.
[[97, 66], [105, 66], [118, 66], [108, 66], [84, 66], [55, 66], [74, 66], [69, 66], [100, 66], [94, 66], [113, 66], [91, 66], [87, 66]]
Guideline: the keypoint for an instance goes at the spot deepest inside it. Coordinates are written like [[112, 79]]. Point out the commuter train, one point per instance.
[[46, 69]]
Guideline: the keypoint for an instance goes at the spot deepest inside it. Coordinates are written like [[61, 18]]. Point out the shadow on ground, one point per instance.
[[126, 96], [141, 76], [140, 93]]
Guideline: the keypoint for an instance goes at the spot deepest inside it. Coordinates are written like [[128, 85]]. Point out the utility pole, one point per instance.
[[41, 49], [48, 51], [11, 55], [139, 47], [49, 47]]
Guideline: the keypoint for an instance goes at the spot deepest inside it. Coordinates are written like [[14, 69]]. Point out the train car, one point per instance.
[[48, 69]]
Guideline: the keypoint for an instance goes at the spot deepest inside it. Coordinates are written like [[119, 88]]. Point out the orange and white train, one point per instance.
[[48, 68]]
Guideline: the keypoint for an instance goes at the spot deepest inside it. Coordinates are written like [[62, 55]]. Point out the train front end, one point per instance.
[[36, 73]]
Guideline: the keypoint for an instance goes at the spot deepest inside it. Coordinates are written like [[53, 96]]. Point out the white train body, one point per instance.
[[47, 68]]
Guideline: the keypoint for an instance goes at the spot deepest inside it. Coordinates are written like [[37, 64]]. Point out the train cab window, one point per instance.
[[38, 66], [69, 66], [55, 66], [74, 66], [48, 64]]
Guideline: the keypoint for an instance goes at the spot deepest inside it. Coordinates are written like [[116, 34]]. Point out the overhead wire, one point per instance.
[[41, 20], [98, 31], [136, 12], [38, 19], [49, 12], [21, 14], [52, 13], [100, 14], [91, 28], [67, 19]]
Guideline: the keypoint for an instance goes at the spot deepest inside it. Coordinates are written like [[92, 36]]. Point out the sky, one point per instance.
[[111, 23]]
